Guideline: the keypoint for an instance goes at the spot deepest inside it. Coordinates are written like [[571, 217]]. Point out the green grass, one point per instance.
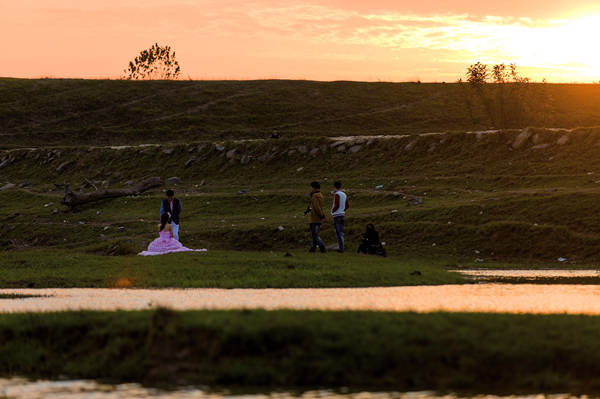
[[217, 269], [466, 353]]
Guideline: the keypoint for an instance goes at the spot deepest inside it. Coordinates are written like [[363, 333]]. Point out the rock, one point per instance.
[[302, 149], [341, 148], [191, 149], [355, 148], [245, 159], [300, 169], [536, 139], [128, 183], [563, 140], [23, 184], [219, 147], [63, 165], [521, 139], [379, 187], [4, 163], [230, 154], [396, 194], [172, 181], [242, 192], [540, 146], [333, 247], [281, 228], [54, 211], [337, 143], [411, 145], [314, 152], [264, 157], [414, 201], [190, 162], [202, 182], [7, 186], [168, 151], [48, 204]]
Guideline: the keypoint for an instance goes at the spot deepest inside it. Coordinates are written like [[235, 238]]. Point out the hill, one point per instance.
[[103, 112]]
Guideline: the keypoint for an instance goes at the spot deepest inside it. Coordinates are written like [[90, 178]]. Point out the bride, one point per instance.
[[165, 243]]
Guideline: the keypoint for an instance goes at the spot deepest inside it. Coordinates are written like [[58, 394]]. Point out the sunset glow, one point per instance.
[[318, 39]]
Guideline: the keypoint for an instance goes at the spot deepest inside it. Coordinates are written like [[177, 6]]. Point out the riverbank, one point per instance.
[[483, 353]]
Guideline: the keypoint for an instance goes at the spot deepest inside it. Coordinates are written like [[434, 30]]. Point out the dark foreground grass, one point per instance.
[[485, 353], [218, 269]]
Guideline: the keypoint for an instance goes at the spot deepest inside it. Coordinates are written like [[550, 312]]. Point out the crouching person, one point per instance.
[[370, 242]]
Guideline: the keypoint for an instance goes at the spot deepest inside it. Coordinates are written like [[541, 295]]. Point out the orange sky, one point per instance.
[[391, 40]]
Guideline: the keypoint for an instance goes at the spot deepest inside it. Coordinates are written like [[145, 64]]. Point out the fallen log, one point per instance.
[[73, 199]]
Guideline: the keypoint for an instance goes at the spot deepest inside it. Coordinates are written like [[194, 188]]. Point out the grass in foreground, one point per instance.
[[218, 269], [484, 353]]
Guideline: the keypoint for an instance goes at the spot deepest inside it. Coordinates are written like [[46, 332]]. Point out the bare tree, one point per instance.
[[155, 63]]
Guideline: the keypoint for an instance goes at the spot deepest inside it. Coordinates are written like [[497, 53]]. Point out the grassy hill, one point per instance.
[[92, 112]]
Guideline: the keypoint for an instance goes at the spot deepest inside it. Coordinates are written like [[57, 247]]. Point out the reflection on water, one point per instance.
[[527, 274], [510, 298], [80, 389]]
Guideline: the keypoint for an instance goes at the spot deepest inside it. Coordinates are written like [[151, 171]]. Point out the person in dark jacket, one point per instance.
[[172, 206], [370, 242]]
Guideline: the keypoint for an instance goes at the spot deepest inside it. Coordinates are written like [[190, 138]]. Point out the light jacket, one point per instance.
[[340, 203]]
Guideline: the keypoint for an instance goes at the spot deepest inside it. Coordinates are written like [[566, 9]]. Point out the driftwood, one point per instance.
[[73, 199]]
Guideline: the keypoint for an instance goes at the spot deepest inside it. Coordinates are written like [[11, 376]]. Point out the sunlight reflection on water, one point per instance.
[[85, 389]]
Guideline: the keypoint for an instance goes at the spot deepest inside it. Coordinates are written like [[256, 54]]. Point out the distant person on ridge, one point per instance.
[[172, 206], [275, 134], [338, 211], [317, 215]]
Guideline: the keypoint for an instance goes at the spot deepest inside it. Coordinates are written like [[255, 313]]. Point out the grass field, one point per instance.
[[217, 269], [466, 353]]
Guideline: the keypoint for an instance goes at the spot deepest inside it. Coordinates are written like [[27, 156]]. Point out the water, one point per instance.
[[485, 297], [82, 389]]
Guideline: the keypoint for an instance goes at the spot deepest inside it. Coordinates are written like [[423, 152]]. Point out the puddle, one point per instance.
[[84, 389], [486, 274], [483, 297]]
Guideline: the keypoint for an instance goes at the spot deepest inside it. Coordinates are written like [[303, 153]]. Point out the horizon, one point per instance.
[[318, 40]]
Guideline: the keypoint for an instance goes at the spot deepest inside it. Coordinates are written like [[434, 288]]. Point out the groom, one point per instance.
[[172, 205]]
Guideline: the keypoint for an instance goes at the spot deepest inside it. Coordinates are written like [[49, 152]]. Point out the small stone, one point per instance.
[[55, 211], [396, 194], [190, 162], [245, 159], [521, 139], [563, 140], [63, 165], [414, 201], [7, 186], [540, 146], [280, 228], [231, 154], [303, 149], [172, 181], [242, 192], [128, 183], [314, 152], [48, 204], [168, 151], [354, 149], [219, 147], [300, 169], [411, 145], [341, 148]]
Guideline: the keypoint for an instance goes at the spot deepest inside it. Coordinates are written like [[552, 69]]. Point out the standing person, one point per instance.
[[338, 211], [317, 215], [172, 206]]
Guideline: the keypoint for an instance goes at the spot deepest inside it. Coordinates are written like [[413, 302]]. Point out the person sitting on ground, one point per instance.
[[166, 242], [370, 242], [275, 134]]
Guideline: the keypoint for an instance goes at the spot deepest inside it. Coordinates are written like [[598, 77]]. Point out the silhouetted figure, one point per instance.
[[275, 134], [370, 242]]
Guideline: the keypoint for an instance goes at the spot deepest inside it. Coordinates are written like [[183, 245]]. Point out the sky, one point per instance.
[[367, 40]]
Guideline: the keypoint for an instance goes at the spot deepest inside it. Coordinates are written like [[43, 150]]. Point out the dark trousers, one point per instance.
[[338, 225], [315, 228]]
